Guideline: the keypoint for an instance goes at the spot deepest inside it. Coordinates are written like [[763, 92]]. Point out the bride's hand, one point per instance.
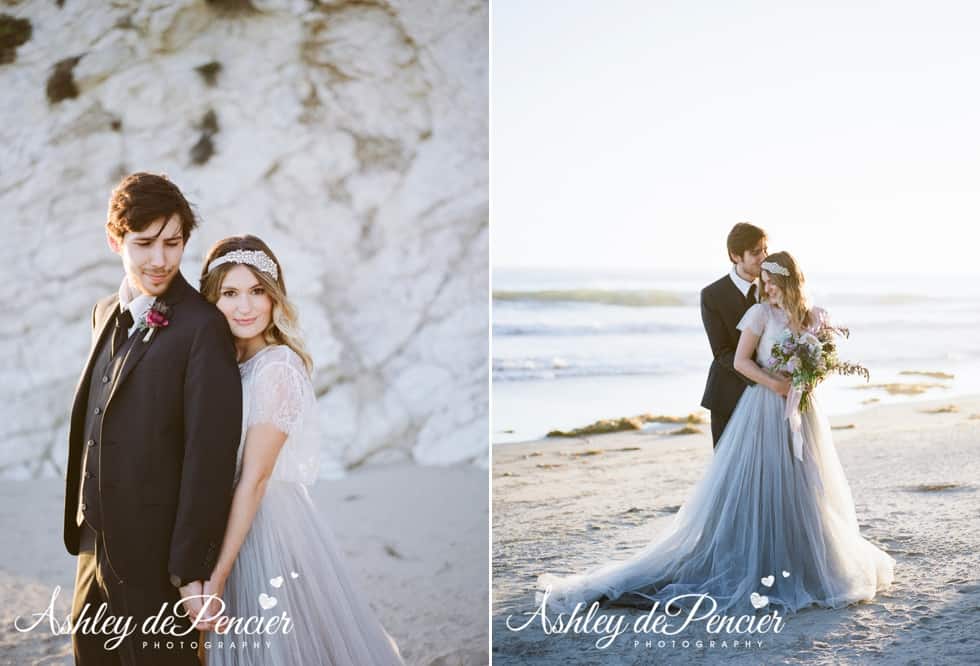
[[781, 385], [210, 612]]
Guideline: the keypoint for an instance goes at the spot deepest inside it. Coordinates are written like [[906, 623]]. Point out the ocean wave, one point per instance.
[[859, 328], [624, 297], [613, 328], [529, 368], [556, 368], [896, 298], [673, 298]]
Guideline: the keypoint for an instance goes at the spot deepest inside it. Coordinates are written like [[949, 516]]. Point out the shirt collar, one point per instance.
[[743, 285], [137, 305]]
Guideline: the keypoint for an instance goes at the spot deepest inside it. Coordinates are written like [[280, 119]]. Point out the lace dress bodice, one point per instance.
[[333, 619], [769, 323], [276, 390]]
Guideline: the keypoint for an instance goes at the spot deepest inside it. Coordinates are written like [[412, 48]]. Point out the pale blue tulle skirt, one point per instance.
[[757, 512], [332, 621]]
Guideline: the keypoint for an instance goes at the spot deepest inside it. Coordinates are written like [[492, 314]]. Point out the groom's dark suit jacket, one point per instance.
[[168, 440], [722, 307]]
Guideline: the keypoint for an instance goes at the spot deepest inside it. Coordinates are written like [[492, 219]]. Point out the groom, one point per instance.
[[153, 437], [723, 303]]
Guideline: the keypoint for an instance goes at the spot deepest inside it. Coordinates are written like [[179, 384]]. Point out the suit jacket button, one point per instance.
[[98, 410], [90, 442], [83, 506], [105, 380], [89, 475]]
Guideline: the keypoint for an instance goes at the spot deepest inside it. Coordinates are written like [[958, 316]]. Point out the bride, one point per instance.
[[277, 554], [764, 519]]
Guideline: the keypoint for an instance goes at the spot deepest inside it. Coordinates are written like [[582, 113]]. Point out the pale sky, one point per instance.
[[635, 134]]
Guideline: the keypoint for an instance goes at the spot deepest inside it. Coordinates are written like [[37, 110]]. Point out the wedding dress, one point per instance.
[[290, 561], [759, 512]]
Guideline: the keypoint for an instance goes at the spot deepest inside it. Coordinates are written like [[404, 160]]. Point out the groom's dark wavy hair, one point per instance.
[[742, 238], [142, 198]]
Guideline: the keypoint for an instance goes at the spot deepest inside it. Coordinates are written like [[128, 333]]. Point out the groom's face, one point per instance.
[[750, 262], [151, 257]]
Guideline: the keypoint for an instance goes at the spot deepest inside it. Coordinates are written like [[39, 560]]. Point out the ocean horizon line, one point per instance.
[[653, 298], [721, 268]]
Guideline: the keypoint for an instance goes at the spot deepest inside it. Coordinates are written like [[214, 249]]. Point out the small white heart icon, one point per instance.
[[758, 600], [266, 601], [276, 582], [296, 575], [768, 581], [785, 574]]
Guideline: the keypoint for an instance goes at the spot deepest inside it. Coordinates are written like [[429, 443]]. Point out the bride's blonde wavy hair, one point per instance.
[[794, 297], [283, 326]]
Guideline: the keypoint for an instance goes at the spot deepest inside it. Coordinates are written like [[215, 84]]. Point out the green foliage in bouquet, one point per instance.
[[808, 357]]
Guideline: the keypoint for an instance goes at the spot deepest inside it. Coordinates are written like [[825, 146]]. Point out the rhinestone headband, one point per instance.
[[256, 258], [773, 267]]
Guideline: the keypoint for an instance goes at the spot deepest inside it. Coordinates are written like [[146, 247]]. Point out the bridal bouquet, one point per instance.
[[808, 358]]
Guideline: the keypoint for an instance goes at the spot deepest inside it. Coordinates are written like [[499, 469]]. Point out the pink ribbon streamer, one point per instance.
[[795, 419]]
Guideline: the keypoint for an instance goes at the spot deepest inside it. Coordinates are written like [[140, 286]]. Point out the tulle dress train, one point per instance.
[[759, 512]]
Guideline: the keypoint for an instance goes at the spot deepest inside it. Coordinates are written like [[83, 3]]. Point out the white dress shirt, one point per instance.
[[137, 306], [743, 285]]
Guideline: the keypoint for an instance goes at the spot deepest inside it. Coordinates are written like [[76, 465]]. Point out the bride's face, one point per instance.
[[773, 292], [244, 303]]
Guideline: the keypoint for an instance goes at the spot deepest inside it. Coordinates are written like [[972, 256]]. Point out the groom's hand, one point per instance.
[[211, 612], [193, 606]]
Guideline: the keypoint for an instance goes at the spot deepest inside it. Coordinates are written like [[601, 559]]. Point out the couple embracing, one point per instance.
[[192, 440], [772, 521]]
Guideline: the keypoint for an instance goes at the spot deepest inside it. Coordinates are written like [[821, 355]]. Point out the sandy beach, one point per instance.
[[416, 538], [563, 505]]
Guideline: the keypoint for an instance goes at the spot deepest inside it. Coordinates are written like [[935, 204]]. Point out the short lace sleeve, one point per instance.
[[754, 319], [279, 393]]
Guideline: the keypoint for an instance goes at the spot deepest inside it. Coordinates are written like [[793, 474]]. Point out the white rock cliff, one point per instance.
[[352, 137]]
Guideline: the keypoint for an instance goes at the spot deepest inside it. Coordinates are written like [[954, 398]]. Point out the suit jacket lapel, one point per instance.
[[737, 295], [138, 348], [94, 352]]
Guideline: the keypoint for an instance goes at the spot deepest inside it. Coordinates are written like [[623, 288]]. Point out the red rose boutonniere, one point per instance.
[[156, 317]]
